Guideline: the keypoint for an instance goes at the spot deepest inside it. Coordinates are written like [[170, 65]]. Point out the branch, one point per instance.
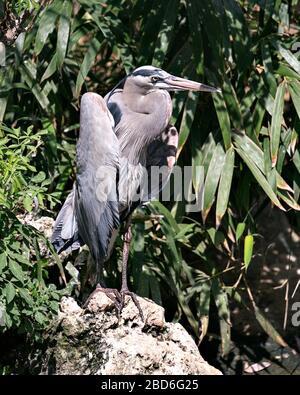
[[12, 26]]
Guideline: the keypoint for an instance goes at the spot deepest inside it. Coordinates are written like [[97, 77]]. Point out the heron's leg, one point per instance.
[[111, 293], [126, 249], [124, 289]]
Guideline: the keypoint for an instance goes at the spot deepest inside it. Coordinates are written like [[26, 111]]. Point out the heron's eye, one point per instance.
[[154, 79]]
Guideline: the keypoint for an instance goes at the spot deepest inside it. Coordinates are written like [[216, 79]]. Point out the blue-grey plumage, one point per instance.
[[120, 136], [65, 235]]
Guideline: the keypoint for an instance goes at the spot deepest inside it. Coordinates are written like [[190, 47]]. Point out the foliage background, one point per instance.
[[245, 139]]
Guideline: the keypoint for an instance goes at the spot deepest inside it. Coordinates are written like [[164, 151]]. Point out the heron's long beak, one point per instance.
[[182, 84]]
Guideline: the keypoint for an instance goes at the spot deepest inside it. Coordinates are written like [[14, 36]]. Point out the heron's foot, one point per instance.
[[125, 292], [111, 293]]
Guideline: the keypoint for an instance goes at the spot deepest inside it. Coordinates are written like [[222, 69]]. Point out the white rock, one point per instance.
[[95, 341]]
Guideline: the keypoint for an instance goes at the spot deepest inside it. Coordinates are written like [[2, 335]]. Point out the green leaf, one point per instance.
[[161, 209], [51, 69], [277, 119], [4, 141], [10, 292], [225, 185], [40, 318], [204, 304], [248, 250], [221, 300], [46, 26], [16, 270], [261, 158], [232, 104], [294, 88], [41, 176], [289, 200], [28, 202], [212, 179], [187, 119], [239, 29], [240, 230], [87, 64], [3, 261], [166, 32], [252, 149], [269, 328], [155, 290], [20, 258], [28, 71], [268, 67], [211, 12], [63, 32], [223, 118], [260, 178], [287, 55], [26, 296], [3, 103], [196, 37], [284, 71], [217, 237]]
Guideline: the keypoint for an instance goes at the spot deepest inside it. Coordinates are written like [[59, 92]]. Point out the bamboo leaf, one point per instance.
[[253, 150], [28, 71], [269, 328], [187, 119], [248, 250], [289, 200], [232, 104], [261, 158], [212, 179], [221, 300], [259, 177], [204, 304], [196, 36], [161, 209], [46, 26], [87, 64], [276, 122], [225, 185], [238, 28], [63, 32], [223, 118], [240, 230], [166, 32], [287, 55], [155, 290], [294, 89], [51, 69]]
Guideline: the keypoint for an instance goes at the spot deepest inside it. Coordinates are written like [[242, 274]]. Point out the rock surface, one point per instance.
[[95, 341]]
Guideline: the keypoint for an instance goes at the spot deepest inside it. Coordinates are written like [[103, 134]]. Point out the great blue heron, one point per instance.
[[120, 135]]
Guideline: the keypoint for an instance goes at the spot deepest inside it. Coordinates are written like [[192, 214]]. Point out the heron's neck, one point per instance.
[[147, 118]]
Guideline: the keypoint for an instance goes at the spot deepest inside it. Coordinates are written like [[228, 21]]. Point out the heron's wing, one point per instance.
[[65, 231], [97, 168], [160, 160]]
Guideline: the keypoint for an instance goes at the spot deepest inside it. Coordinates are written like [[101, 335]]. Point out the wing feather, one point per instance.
[[97, 171], [65, 235]]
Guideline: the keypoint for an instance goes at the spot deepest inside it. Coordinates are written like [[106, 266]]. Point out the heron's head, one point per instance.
[[149, 78]]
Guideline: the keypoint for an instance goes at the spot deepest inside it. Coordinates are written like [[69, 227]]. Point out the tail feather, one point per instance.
[[65, 235]]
